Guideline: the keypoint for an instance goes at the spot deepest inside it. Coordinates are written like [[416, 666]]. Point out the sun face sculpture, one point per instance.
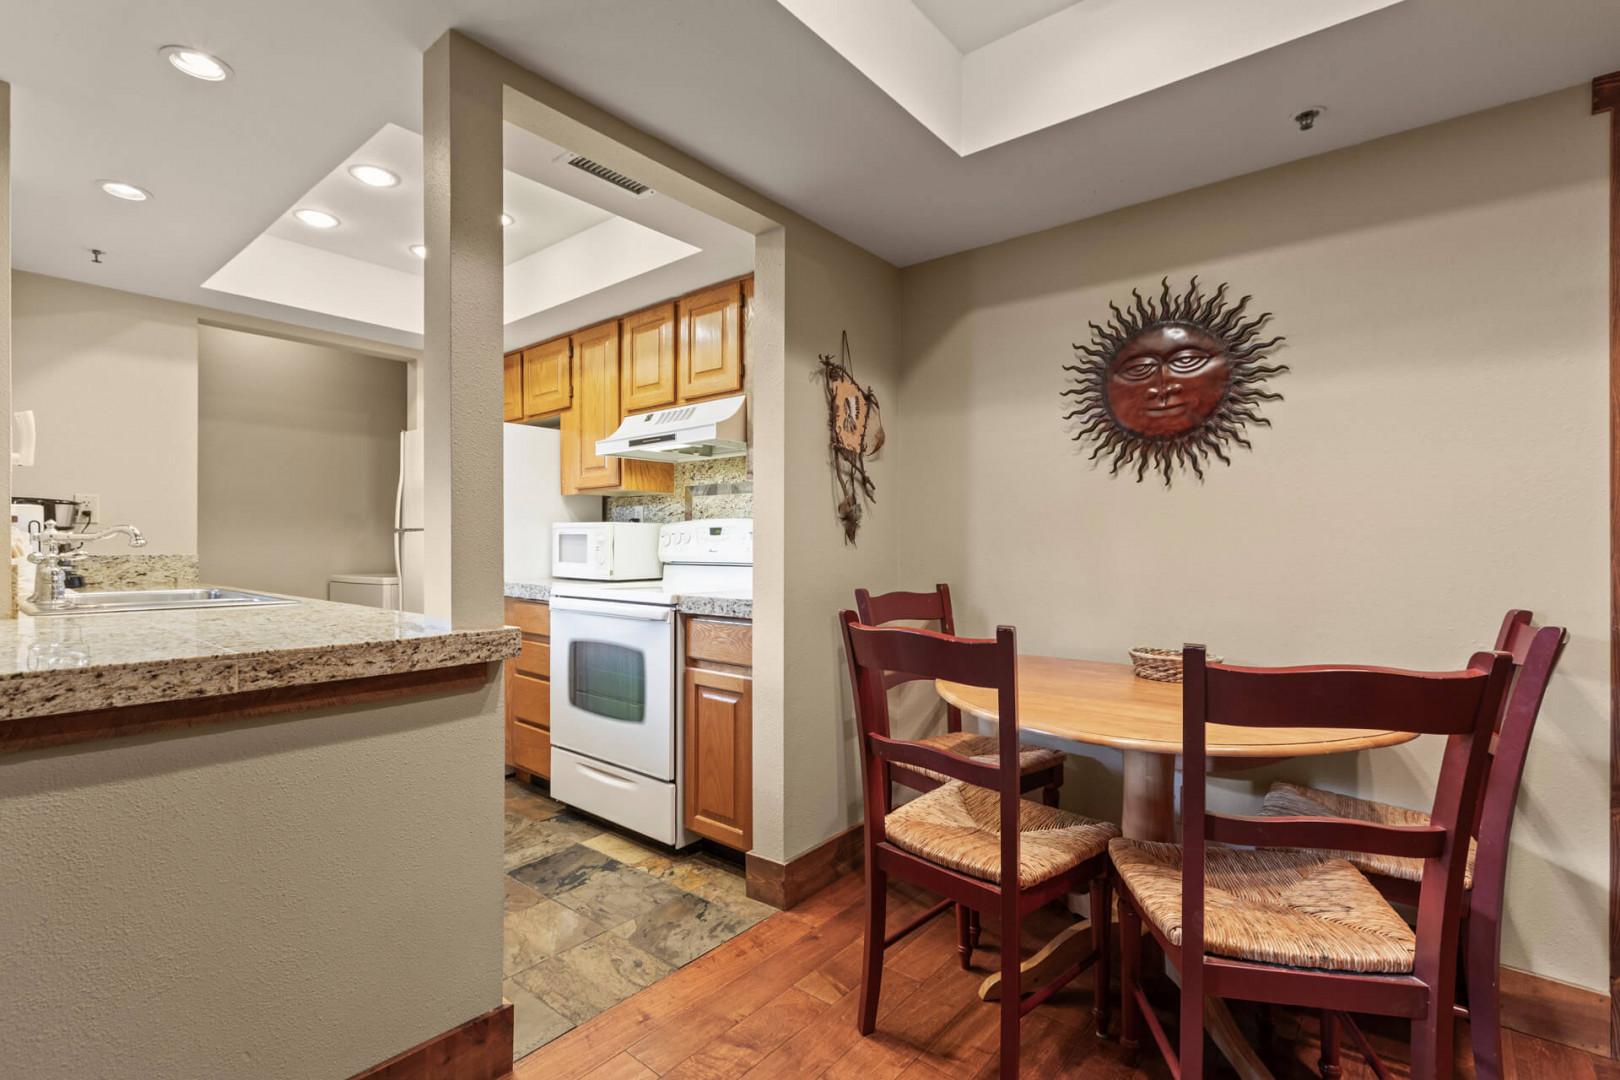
[[1171, 381]]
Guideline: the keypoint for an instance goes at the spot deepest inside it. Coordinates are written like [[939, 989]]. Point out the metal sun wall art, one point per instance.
[[855, 430], [1171, 380]]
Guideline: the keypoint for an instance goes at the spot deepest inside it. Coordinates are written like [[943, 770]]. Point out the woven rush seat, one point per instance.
[[1301, 909], [986, 748], [958, 826], [1294, 800]]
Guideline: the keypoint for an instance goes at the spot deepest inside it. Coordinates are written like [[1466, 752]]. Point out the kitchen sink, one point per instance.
[[92, 603]]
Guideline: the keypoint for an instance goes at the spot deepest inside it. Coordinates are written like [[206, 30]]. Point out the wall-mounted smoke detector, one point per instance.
[[602, 172]]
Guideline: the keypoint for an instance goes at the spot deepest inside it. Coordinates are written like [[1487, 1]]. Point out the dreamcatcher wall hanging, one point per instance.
[[855, 432], [1171, 381]]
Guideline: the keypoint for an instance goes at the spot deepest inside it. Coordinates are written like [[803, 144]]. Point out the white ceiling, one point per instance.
[[969, 24], [558, 249], [745, 87], [1075, 61]]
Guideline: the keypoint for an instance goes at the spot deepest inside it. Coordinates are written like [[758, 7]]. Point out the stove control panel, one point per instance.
[[716, 540]]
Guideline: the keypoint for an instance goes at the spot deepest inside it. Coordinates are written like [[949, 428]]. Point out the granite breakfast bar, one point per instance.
[[285, 793]]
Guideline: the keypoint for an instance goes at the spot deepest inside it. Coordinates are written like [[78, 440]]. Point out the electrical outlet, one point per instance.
[[90, 507]]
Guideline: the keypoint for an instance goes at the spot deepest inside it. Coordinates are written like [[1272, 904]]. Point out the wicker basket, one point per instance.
[[1159, 665]]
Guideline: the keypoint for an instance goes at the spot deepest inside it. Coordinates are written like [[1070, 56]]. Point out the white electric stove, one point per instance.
[[615, 677]]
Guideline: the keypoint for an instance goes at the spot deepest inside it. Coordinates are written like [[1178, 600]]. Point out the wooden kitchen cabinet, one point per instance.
[[719, 732], [548, 378], [512, 386], [647, 359], [595, 415], [709, 359], [528, 691]]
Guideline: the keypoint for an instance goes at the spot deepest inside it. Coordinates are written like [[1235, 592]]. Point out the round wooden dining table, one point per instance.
[[1074, 703]]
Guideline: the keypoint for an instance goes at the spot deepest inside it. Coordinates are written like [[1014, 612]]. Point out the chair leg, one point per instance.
[[1130, 962], [1328, 1063], [1101, 902], [877, 903], [975, 928], [1192, 1029], [1432, 1051], [1049, 794], [1011, 992], [1482, 944], [964, 935]]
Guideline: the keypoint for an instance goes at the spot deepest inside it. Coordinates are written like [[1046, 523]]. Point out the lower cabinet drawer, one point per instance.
[[531, 748], [528, 700], [637, 802], [534, 659]]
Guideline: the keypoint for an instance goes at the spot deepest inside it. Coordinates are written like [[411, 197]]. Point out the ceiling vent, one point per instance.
[[602, 172]]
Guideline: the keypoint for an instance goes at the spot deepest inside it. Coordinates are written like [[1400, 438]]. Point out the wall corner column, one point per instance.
[[463, 325], [1606, 99], [6, 609]]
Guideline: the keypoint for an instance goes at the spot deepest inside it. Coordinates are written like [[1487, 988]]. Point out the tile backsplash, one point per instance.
[[720, 488]]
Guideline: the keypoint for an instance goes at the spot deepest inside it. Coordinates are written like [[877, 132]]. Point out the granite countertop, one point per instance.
[[534, 589], [728, 605], [69, 663], [722, 605]]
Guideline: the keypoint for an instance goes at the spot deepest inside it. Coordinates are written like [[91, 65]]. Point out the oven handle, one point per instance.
[[637, 612]]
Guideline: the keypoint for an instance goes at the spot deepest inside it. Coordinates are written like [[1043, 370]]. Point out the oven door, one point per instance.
[[581, 551], [613, 683]]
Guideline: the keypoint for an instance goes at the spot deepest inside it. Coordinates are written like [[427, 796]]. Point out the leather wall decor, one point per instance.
[[855, 431], [1171, 380]]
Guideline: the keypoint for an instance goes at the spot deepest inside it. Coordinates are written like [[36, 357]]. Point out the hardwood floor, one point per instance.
[[779, 1001]]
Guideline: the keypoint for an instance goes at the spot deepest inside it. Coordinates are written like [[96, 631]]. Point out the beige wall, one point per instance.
[[1439, 457], [831, 286], [298, 460], [112, 379], [255, 900]]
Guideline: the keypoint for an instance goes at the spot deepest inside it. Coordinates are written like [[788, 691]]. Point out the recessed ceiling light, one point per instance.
[[196, 63], [419, 250], [373, 175], [316, 219], [507, 221], [118, 189]]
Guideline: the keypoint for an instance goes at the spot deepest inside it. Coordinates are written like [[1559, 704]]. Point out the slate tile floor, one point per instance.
[[592, 916]]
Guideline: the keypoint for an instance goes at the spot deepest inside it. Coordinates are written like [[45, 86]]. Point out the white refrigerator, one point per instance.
[[532, 458]]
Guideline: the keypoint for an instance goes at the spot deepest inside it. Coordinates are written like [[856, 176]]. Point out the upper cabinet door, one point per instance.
[[512, 379], [710, 360], [596, 412], [548, 378], [647, 359]]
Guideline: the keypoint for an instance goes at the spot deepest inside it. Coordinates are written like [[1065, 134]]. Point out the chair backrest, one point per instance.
[[876, 652], [1461, 705], [1535, 654], [892, 607]]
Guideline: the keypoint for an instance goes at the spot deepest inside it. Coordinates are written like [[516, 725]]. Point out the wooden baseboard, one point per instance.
[[786, 885], [480, 1049], [1555, 1011]]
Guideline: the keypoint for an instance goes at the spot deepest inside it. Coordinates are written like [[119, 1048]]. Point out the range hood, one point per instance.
[[705, 429]]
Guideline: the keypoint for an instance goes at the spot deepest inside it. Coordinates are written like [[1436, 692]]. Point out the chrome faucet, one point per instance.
[[59, 549]]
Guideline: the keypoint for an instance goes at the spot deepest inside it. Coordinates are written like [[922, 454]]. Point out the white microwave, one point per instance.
[[605, 550]]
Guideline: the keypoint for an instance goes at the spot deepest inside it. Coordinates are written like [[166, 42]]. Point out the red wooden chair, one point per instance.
[[1042, 767], [1277, 924], [958, 838], [1535, 654]]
